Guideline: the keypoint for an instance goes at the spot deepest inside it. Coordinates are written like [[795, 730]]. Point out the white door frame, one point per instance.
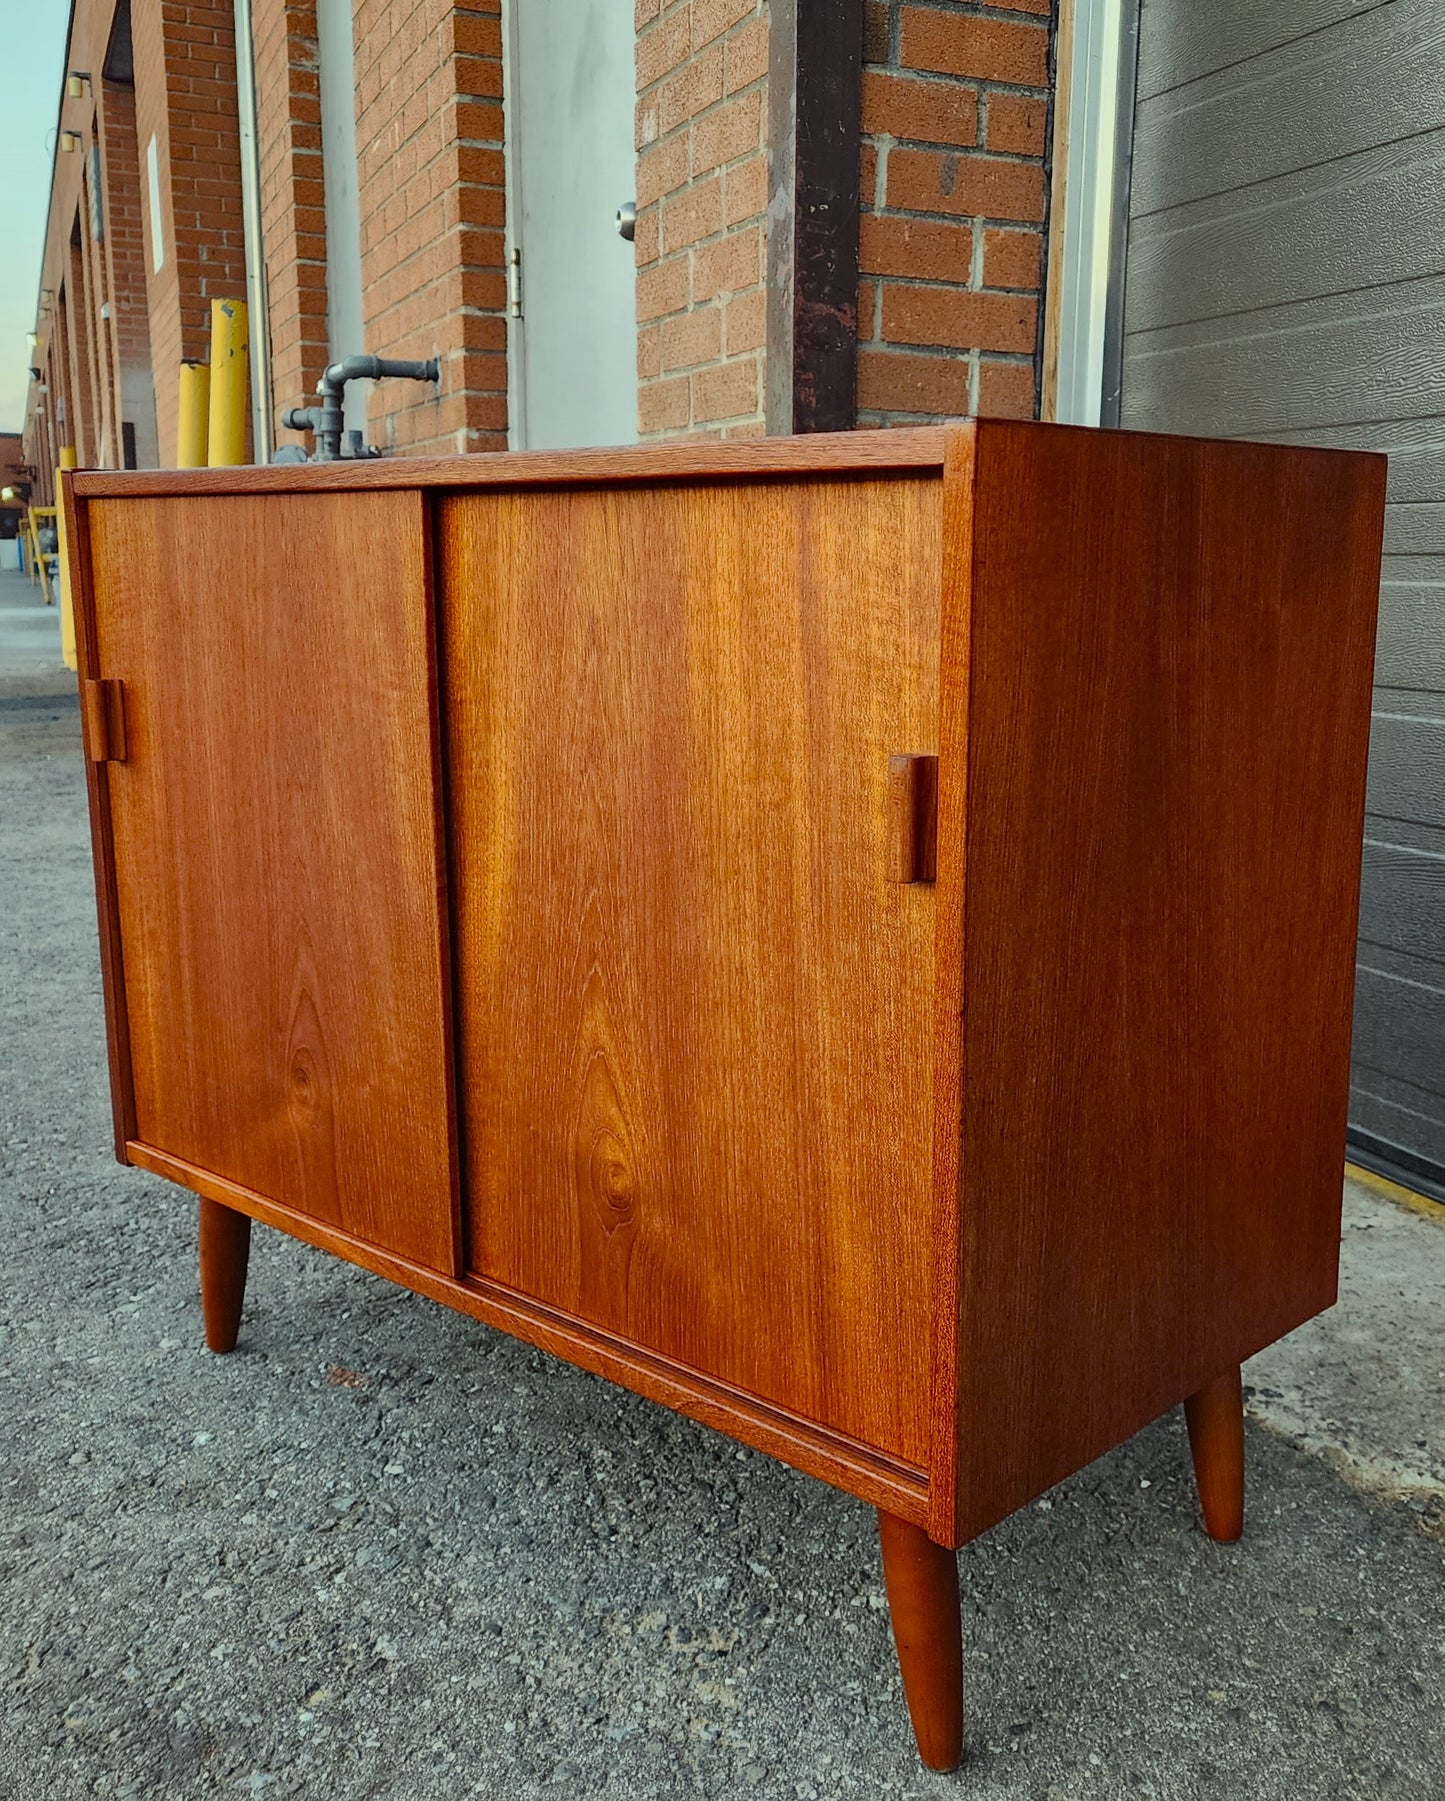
[[516, 251], [512, 200], [1097, 58]]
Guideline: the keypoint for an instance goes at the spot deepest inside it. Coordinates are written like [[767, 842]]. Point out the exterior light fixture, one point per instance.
[[69, 142], [32, 338], [77, 83], [46, 296]]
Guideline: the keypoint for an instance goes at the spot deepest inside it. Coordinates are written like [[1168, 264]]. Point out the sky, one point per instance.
[[32, 54]]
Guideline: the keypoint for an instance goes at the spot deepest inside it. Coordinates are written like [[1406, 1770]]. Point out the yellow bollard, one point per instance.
[[195, 414], [226, 443], [39, 568], [67, 617]]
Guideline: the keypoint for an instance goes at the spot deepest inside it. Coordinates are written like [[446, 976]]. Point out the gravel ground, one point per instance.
[[381, 1551]]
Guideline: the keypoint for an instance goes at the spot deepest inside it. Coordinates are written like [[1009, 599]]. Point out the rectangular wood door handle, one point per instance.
[[913, 818], [102, 707]]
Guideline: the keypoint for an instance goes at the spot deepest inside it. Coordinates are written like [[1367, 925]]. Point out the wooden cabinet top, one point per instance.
[[921, 448]]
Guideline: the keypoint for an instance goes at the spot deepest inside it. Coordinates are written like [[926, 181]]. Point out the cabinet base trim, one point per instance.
[[858, 1469]]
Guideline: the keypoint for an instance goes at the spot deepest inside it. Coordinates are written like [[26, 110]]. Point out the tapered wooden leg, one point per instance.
[[1215, 1417], [922, 1582], [225, 1250]]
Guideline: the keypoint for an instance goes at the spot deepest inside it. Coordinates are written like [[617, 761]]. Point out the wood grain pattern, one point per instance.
[[694, 1012], [224, 1243], [1171, 647], [276, 851], [938, 1191], [1214, 1415], [881, 1481], [922, 1582], [913, 818], [950, 872], [102, 846], [921, 447], [102, 721], [1293, 287]]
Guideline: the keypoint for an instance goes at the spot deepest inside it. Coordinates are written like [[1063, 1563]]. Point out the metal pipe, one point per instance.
[[336, 81], [326, 420], [226, 438], [375, 368], [193, 415], [253, 233]]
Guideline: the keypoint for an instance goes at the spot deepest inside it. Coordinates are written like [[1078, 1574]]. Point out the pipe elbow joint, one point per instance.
[[350, 368], [375, 368]]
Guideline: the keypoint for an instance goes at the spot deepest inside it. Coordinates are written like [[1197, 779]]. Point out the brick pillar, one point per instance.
[[59, 370], [955, 109], [185, 88], [82, 414], [750, 134], [55, 375], [97, 309], [430, 164], [292, 195], [135, 400], [702, 194]]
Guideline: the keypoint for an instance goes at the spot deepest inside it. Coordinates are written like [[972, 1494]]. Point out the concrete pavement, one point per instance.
[[29, 632], [383, 1552]]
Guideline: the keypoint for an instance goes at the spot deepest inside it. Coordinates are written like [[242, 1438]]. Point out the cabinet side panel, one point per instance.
[[949, 933], [1172, 646], [277, 853], [694, 1011]]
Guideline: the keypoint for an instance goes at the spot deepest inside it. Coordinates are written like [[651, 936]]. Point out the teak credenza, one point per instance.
[[850, 937]]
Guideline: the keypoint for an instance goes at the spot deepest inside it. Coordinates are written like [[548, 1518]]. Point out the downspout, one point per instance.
[[262, 441]]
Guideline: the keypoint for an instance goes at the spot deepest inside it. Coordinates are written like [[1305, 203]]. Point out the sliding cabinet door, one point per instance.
[[275, 847], [695, 1011]]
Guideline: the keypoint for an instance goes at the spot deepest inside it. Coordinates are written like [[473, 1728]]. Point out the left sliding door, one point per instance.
[[277, 879]]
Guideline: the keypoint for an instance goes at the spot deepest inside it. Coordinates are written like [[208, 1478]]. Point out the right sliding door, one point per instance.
[[694, 1012]]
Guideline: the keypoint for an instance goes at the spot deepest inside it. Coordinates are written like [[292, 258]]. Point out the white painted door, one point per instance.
[[570, 123]]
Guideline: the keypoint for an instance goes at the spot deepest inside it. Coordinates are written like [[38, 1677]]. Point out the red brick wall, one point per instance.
[[293, 204], [431, 173], [11, 458], [82, 415], [955, 107], [702, 192], [185, 70], [955, 97]]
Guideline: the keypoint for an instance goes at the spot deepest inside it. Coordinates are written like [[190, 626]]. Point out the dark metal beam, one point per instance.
[[815, 127]]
